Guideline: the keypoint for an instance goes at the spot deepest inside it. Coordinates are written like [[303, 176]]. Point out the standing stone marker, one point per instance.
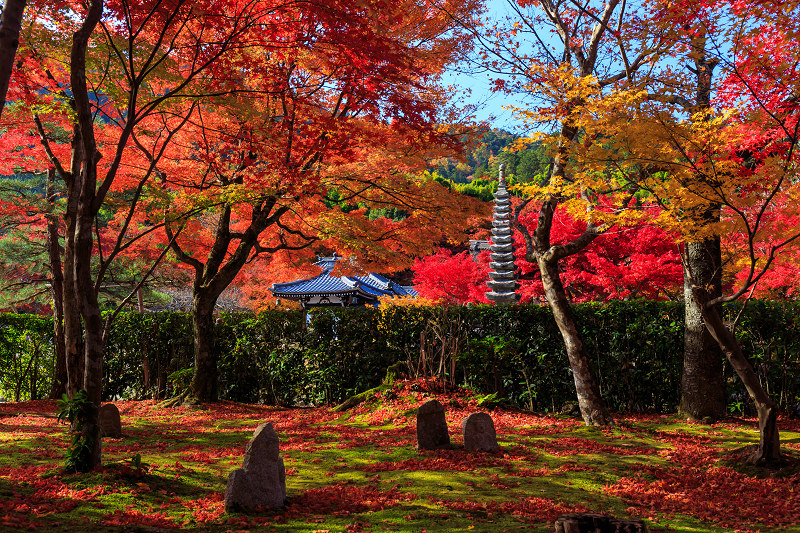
[[597, 523], [479, 433], [432, 427], [110, 422], [261, 482]]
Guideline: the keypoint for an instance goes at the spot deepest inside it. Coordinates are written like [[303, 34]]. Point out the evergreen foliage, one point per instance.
[[515, 352], [482, 162]]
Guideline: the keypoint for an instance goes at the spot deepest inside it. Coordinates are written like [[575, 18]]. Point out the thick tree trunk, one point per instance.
[[9, 41], [702, 383], [73, 328], [83, 190], [204, 380], [59, 384], [769, 445], [93, 357], [593, 410]]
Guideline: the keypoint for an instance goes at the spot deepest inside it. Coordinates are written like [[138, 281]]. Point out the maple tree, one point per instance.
[[451, 278], [339, 117], [276, 116], [581, 59], [702, 383], [722, 169], [128, 66]]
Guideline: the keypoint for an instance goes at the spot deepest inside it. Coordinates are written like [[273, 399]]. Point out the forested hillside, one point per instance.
[[483, 160]]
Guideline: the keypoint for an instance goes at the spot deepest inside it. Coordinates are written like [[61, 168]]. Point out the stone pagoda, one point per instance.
[[503, 283]]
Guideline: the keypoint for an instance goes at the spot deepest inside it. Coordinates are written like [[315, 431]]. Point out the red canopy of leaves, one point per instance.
[[641, 261]]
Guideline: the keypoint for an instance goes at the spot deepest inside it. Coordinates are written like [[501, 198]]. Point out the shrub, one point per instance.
[[513, 352]]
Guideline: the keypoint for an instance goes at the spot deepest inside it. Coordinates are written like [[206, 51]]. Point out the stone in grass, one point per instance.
[[261, 482], [110, 422], [432, 427], [597, 523], [479, 433]]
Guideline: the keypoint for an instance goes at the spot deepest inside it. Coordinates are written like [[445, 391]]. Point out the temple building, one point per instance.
[[326, 290]]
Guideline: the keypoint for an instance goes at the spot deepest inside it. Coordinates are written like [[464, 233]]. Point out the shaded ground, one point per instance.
[[359, 471]]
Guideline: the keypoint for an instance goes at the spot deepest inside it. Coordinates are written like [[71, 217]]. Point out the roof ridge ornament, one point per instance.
[[503, 284]]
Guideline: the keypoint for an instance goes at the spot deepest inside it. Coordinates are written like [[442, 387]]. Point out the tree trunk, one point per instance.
[[93, 329], [702, 382], [59, 384], [83, 191], [73, 328], [593, 410], [204, 380], [35, 372], [769, 445], [9, 41]]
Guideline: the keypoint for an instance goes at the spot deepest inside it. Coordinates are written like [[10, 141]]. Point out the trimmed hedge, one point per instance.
[[26, 356], [279, 357]]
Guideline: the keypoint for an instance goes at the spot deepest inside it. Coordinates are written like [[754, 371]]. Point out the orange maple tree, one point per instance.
[[243, 115], [338, 121], [718, 153]]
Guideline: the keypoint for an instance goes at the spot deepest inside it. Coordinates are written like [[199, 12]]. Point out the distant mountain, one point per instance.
[[483, 161]]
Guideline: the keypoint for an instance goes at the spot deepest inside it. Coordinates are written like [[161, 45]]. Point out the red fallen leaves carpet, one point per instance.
[[663, 472]]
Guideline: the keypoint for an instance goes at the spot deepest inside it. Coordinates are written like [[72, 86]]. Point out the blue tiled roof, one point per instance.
[[324, 283], [409, 290], [370, 286]]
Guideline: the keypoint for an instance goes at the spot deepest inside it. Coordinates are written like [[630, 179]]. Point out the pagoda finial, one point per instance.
[[503, 282]]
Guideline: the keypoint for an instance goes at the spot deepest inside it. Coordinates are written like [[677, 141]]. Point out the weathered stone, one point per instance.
[[627, 526], [432, 427], [502, 289], [479, 433], [110, 422], [261, 482], [571, 409], [597, 523]]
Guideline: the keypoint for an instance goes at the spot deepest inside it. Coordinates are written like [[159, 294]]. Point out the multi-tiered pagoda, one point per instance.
[[503, 284]]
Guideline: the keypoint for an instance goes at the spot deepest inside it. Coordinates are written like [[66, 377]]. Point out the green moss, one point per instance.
[[447, 491]]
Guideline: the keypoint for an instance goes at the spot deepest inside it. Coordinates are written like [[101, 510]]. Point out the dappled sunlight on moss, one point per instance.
[[345, 473]]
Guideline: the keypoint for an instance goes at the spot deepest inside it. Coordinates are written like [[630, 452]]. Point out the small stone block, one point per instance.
[[597, 523], [628, 526], [261, 482], [432, 431], [110, 422], [479, 433]]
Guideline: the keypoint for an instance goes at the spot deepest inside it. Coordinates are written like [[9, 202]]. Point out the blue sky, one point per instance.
[[489, 104]]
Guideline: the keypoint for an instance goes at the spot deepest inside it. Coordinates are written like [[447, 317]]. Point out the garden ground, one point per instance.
[[359, 471]]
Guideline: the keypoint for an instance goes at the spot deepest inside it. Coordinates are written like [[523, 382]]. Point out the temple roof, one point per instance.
[[368, 288]]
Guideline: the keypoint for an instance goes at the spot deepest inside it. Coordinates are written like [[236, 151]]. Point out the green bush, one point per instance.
[[143, 350], [26, 356], [260, 356], [515, 353], [769, 334]]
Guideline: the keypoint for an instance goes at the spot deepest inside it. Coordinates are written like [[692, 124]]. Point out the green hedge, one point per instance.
[[26, 356], [278, 357]]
